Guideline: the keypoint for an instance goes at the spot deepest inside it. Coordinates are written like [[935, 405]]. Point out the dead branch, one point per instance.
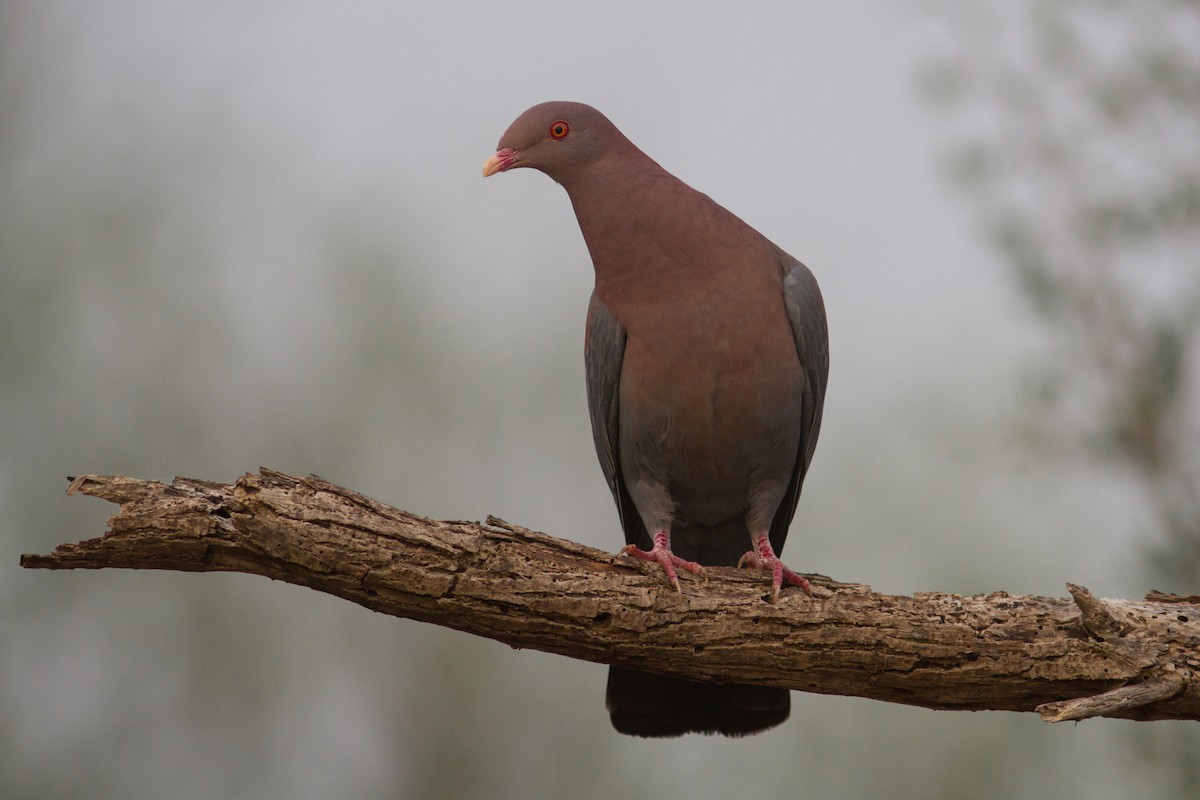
[[1064, 658]]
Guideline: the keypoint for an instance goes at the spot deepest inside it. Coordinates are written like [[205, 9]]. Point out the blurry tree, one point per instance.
[[1082, 150]]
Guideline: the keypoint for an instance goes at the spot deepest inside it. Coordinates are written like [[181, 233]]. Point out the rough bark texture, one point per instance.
[[1064, 658]]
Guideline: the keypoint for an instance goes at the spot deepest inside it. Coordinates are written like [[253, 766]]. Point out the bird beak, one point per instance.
[[504, 159]]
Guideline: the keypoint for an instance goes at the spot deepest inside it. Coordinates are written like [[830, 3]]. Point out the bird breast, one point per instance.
[[709, 404]]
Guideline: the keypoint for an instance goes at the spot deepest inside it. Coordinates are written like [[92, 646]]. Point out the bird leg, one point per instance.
[[763, 557], [661, 553]]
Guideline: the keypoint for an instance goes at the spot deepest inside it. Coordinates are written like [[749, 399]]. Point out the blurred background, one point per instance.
[[243, 234]]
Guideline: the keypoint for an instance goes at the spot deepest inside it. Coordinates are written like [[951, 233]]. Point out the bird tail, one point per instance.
[[644, 704]]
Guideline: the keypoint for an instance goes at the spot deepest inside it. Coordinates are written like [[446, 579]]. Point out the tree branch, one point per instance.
[[1066, 659]]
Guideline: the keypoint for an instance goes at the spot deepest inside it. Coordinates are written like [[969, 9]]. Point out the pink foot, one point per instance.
[[662, 554], [764, 558]]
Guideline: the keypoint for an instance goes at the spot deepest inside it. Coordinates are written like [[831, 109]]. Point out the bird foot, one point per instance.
[[763, 557], [661, 553]]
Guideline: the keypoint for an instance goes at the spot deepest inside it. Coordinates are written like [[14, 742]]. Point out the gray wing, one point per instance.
[[603, 354], [806, 313]]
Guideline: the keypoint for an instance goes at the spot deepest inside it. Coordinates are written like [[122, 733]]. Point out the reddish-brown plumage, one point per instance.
[[706, 361]]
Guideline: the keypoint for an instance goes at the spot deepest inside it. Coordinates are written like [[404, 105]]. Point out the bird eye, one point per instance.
[[559, 129]]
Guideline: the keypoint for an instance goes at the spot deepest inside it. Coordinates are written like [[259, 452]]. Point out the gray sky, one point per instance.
[[345, 295]]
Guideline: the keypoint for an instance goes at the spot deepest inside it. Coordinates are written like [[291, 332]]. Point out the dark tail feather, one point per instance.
[[643, 704]]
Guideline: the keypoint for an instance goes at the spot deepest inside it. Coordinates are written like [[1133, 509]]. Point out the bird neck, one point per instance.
[[644, 228]]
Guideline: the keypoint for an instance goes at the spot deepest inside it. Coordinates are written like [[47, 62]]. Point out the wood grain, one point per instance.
[[1066, 658]]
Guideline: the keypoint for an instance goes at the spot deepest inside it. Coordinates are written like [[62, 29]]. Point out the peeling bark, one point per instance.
[[1064, 658]]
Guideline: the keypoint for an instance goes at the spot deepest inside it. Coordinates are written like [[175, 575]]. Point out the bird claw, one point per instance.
[[661, 554], [764, 558]]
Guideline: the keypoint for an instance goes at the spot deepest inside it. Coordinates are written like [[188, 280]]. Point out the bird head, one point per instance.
[[558, 138]]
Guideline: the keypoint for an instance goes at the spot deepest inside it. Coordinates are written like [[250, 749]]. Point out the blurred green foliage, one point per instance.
[[1080, 145]]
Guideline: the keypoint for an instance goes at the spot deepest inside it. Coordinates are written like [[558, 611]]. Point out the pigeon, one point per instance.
[[706, 360]]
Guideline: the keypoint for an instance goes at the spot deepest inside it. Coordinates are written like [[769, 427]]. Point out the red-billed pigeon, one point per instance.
[[706, 356]]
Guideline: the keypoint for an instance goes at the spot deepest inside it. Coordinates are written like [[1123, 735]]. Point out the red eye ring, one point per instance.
[[559, 129]]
